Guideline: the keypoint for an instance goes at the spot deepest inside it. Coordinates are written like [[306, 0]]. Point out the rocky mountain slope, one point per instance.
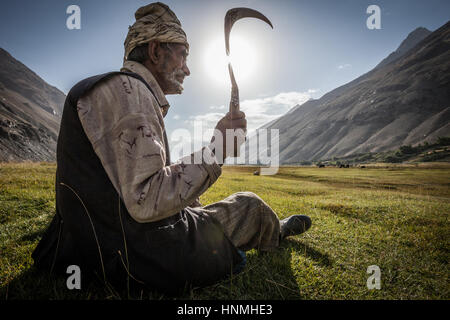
[[405, 100], [30, 112]]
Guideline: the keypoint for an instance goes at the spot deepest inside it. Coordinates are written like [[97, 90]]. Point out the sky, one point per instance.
[[314, 47]]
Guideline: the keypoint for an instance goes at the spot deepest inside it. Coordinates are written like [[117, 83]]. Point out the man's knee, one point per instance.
[[247, 194], [254, 201], [249, 197]]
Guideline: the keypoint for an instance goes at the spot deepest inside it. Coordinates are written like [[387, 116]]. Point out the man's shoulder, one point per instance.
[[117, 81], [119, 95]]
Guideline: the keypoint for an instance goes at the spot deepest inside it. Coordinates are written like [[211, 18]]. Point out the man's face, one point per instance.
[[173, 68]]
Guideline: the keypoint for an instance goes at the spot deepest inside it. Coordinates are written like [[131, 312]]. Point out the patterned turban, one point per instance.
[[154, 21]]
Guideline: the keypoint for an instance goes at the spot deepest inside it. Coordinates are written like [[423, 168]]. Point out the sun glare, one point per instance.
[[242, 57]]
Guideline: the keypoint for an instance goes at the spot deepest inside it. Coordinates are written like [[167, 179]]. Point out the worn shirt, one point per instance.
[[124, 122]]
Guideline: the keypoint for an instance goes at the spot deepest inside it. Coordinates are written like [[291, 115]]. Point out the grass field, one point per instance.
[[395, 218]]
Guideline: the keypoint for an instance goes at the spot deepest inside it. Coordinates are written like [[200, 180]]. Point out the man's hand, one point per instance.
[[235, 120]]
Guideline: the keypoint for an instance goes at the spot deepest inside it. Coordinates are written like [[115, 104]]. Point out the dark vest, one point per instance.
[[93, 229]]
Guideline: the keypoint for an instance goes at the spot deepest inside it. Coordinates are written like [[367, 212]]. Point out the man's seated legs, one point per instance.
[[250, 223]]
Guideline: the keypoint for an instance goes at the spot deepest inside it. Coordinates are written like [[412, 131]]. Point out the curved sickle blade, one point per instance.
[[234, 15], [234, 102]]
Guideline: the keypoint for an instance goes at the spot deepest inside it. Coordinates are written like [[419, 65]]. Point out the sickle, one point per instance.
[[231, 17]]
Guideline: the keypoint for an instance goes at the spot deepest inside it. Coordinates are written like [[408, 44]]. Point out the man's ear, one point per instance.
[[154, 51]]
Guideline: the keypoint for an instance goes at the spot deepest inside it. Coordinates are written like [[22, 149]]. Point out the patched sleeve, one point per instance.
[[124, 123]]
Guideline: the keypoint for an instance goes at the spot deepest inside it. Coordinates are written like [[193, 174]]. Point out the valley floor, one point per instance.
[[395, 218]]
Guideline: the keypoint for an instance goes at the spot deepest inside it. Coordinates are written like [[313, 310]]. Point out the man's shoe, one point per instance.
[[294, 225]]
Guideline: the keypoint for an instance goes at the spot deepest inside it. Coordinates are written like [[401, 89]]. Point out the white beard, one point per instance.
[[175, 86]]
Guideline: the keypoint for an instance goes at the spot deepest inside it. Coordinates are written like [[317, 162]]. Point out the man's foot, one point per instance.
[[294, 225]]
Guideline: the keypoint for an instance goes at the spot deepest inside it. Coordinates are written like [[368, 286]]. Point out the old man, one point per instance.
[[124, 212]]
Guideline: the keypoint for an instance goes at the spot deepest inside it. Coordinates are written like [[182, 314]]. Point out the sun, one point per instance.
[[242, 56]]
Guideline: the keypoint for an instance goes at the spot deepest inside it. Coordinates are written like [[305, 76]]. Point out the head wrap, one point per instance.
[[154, 21]]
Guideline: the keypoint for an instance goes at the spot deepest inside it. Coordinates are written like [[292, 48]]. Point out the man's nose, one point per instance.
[[186, 69]]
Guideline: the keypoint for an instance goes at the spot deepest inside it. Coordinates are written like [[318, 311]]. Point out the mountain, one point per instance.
[[410, 42], [30, 113], [405, 100]]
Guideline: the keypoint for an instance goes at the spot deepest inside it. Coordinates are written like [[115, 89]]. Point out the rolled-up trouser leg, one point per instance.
[[247, 221]]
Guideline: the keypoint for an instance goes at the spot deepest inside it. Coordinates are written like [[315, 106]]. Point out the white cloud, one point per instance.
[[262, 110], [258, 112], [217, 107], [176, 116], [208, 120], [344, 66]]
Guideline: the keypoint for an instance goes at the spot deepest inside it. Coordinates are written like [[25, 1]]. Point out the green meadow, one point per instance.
[[395, 218]]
